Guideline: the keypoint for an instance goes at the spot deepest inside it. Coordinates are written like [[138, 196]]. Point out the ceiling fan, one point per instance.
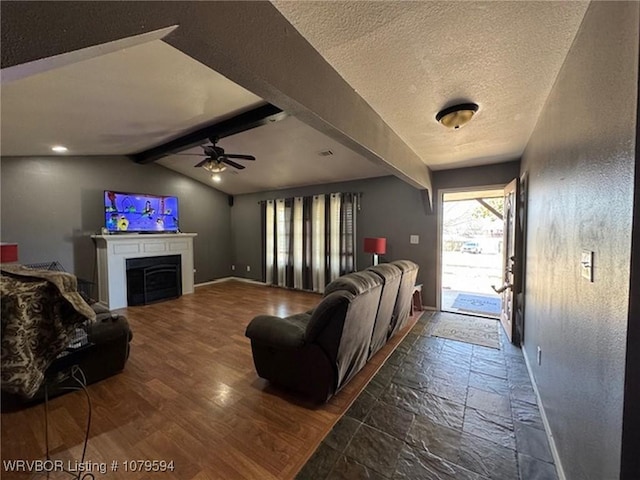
[[217, 160]]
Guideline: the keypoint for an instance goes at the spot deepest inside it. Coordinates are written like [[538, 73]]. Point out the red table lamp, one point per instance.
[[8, 252], [376, 246]]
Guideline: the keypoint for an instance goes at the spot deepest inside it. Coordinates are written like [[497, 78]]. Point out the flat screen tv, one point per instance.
[[138, 212]]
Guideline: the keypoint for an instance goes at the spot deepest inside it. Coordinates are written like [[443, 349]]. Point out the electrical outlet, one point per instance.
[[539, 355], [233, 267], [414, 239], [248, 268]]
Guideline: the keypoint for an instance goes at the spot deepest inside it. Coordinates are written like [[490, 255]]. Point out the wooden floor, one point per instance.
[[189, 393]]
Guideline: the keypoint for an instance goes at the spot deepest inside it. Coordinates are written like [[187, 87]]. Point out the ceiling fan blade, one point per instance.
[[232, 163], [242, 157], [190, 154], [203, 162]]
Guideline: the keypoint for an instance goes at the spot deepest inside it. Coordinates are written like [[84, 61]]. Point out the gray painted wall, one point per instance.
[[51, 205], [389, 208], [72, 211], [496, 174], [580, 162]]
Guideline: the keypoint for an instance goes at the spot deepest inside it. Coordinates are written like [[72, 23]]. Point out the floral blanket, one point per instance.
[[40, 311]]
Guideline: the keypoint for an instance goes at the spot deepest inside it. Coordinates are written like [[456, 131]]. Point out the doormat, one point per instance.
[[463, 328], [478, 304]]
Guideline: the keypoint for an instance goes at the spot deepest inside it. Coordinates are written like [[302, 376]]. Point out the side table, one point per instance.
[[416, 300]]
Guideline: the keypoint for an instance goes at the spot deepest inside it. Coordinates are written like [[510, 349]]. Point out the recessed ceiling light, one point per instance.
[[457, 115], [216, 178], [59, 148]]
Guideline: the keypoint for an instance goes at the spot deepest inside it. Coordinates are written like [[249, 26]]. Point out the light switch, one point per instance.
[[414, 239], [586, 264]]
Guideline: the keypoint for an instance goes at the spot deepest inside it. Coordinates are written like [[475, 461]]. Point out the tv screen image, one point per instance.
[[136, 212]]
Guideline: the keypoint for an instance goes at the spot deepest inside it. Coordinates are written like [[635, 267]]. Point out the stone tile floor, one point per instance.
[[440, 409]]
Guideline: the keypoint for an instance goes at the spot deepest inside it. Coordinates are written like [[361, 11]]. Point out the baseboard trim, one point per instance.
[[545, 421], [103, 304], [212, 282], [429, 308], [228, 279], [248, 280]]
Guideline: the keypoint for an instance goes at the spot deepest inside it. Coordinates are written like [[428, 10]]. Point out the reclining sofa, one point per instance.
[[316, 353]]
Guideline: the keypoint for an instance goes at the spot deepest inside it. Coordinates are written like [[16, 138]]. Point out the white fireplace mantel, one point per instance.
[[114, 250]]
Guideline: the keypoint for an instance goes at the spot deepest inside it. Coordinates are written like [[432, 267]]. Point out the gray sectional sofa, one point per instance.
[[316, 353]]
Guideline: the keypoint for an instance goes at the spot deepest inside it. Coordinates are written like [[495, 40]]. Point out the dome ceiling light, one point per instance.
[[457, 115]]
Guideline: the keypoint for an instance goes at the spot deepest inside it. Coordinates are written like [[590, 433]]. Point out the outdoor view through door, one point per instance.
[[472, 251]]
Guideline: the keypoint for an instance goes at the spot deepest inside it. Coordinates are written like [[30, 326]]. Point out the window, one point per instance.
[[309, 241]]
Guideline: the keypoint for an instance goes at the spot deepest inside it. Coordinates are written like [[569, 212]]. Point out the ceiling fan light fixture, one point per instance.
[[214, 167], [216, 178], [59, 149], [457, 115]]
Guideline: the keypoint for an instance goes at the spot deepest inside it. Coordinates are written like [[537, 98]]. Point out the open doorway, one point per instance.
[[471, 253]]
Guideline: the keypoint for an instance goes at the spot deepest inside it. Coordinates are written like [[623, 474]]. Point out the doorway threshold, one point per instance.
[[471, 303]]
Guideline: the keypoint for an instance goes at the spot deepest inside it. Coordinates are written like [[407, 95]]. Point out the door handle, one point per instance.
[[502, 288]]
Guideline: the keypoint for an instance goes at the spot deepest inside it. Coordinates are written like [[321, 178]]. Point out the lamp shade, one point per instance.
[[8, 252], [375, 245]]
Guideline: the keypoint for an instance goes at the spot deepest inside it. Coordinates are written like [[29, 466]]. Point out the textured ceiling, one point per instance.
[[123, 91], [136, 97], [117, 103], [410, 59], [286, 156]]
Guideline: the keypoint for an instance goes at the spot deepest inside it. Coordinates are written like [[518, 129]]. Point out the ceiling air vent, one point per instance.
[[325, 153]]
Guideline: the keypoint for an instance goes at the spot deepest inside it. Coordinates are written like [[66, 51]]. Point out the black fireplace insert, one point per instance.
[[152, 279]]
